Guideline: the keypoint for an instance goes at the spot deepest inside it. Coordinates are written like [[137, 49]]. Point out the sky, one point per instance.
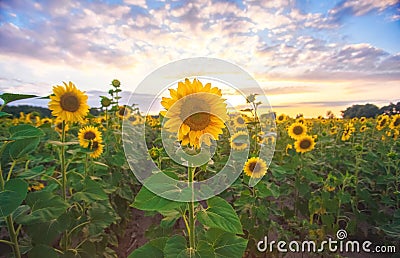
[[309, 56]]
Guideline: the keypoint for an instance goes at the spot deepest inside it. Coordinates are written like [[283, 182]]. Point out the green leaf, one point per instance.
[[148, 201], [154, 248], [22, 147], [268, 190], [226, 244], [35, 232], [101, 215], [45, 206], [42, 251], [176, 247], [92, 191], [3, 114], [220, 214], [20, 132], [14, 193], [10, 97]]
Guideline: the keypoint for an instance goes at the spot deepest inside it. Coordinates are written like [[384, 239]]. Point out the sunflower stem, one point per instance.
[[13, 236], [191, 230], [64, 178]]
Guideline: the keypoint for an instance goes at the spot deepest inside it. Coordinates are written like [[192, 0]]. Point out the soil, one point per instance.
[[135, 233]]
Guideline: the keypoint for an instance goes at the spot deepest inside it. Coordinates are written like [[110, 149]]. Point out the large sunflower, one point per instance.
[[296, 130], [255, 167], [304, 144], [195, 111], [68, 103], [238, 141], [87, 135]]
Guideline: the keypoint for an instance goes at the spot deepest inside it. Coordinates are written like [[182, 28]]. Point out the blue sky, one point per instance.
[[312, 55]]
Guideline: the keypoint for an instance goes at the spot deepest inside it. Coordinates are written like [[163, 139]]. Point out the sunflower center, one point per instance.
[[121, 111], [396, 122], [89, 136], [69, 102], [254, 168], [239, 143], [240, 120], [59, 126], [297, 130], [305, 144], [383, 122], [198, 121], [132, 119], [95, 145]]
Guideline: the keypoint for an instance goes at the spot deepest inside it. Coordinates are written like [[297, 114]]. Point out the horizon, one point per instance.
[[308, 56]]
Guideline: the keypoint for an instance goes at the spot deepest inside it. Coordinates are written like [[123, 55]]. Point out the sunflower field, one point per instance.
[[67, 187]]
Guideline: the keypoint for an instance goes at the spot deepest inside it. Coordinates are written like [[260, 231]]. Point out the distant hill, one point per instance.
[[41, 111]]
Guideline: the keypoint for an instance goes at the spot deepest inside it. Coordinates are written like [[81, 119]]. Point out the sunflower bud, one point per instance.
[[116, 83], [105, 102]]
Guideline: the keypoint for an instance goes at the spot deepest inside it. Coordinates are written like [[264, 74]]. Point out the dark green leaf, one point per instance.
[[10, 97], [176, 247], [14, 193], [220, 214], [154, 248]]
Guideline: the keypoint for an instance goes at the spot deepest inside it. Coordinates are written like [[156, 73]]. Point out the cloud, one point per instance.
[[358, 8]]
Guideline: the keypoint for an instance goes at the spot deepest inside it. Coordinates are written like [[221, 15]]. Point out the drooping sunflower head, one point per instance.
[[58, 125], [195, 112], [123, 112], [255, 167], [304, 144], [88, 135], [97, 149], [239, 141], [68, 103], [395, 122], [296, 130]]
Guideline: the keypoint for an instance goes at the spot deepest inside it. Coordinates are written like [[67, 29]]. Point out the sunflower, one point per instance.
[[239, 141], [363, 128], [395, 122], [288, 147], [58, 124], [46, 121], [347, 131], [135, 119], [354, 119], [87, 135], [301, 120], [363, 119], [320, 118], [123, 112], [195, 111], [333, 130], [281, 118], [383, 120], [255, 167], [68, 103], [97, 149], [296, 130], [269, 140], [304, 144]]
